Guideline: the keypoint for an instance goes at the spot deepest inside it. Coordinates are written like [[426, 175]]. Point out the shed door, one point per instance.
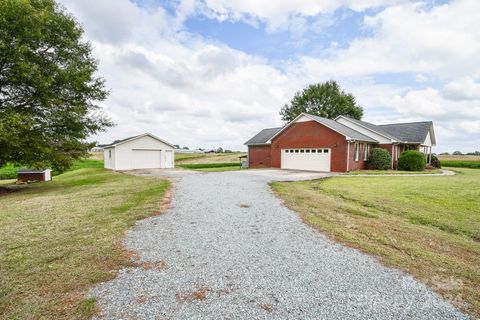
[[168, 159], [146, 159], [306, 159]]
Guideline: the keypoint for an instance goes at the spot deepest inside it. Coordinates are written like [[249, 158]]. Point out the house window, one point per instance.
[[355, 151], [109, 154], [365, 152]]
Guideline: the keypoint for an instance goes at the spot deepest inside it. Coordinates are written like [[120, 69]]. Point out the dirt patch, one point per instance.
[[267, 307], [5, 191], [244, 205], [198, 295]]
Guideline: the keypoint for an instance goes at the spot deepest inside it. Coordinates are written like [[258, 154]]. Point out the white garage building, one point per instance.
[[144, 151]]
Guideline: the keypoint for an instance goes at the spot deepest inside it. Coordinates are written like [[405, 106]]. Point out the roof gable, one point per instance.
[[349, 133], [119, 142], [369, 126]]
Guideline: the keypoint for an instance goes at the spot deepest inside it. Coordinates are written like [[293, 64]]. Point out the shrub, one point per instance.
[[411, 161], [380, 159], [435, 162]]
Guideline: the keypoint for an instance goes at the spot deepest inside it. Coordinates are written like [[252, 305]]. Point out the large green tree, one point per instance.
[[326, 100], [48, 88]]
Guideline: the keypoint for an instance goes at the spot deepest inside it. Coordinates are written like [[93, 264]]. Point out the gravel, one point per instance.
[[227, 248]]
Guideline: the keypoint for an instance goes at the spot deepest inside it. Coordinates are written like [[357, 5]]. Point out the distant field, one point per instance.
[[462, 161], [187, 158]]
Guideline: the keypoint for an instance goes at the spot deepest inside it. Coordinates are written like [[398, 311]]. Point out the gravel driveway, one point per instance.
[[228, 249]]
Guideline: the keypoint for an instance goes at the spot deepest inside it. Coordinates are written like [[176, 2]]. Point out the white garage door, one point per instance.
[[306, 159], [146, 159]]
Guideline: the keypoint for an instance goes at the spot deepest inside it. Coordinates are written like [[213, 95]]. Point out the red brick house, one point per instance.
[[319, 144]]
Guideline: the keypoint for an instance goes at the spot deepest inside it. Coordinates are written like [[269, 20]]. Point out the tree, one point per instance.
[[48, 90], [457, 153], [323, 99]]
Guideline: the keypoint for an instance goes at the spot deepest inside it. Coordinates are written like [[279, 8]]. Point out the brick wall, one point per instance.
[[259, 156]]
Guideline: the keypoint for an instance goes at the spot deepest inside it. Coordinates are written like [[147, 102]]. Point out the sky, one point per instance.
[[212, 73]]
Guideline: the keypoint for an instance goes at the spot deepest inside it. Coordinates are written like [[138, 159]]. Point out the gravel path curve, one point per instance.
[[228, 249]]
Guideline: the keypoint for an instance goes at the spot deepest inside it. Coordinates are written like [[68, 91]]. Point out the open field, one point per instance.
[[211, 167], [426, 226], [189, 158], [60, 238], [461, 161]]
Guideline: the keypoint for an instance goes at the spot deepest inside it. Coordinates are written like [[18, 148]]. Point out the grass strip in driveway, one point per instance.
[[426, 226], [61, 237]]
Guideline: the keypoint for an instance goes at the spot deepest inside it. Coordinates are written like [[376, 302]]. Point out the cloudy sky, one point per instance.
[[210, 73]]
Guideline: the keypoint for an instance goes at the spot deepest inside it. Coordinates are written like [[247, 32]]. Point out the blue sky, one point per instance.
[[210, 73]]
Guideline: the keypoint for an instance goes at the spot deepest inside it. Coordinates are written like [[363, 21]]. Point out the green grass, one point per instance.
[[8, 171], [427, 226], [61, 237], [188, 156], [460, 164], [208, 165], [386, 172]]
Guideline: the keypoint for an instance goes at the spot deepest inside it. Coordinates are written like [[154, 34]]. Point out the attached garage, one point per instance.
[[310, 159], [145, 151]]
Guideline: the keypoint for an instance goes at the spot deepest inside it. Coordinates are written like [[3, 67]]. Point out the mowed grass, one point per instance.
[[211, 167], [426, 226], [394, 172], [60, 238]]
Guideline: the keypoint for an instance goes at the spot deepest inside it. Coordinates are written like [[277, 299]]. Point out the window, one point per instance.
[[355, 151], [302, 151], [296, 150], [325, 150], [286, 151], [319, 150], [314, 150], [109, 154], [307, 151], [365, 152], [291, 151]]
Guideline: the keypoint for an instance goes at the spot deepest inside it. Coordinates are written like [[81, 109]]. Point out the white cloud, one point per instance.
[[202, 93]]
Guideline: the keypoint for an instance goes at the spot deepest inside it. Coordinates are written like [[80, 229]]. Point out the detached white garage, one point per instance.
[[144, 151]]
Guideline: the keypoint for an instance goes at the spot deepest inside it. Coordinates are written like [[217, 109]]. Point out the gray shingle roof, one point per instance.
[[342, 129], [413, 132], [120, 141], [263, 136]]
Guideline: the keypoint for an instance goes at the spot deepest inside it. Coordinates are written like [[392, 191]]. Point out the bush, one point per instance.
[[380, 159], [435, 162], [411, 161]]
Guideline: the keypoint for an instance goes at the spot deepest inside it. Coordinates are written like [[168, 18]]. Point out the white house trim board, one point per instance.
[[381, 138]]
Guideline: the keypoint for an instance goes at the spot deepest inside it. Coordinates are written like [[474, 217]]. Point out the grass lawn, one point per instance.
[[391, 172], [60, 238], [426, 226]]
